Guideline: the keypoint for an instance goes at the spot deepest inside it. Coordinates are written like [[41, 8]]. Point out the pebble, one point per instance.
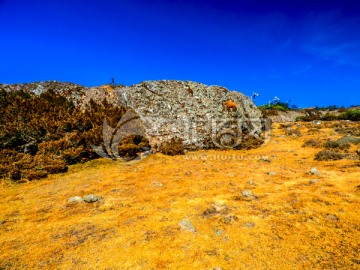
[[186, 225], [76, 199], [313, 181], [91, 198], [249, 225], [272, 173], [314, 171]]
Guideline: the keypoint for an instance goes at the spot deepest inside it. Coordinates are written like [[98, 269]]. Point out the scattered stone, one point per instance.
[[332, 217], [314, 171], [251, 182], [249, 224], [229, 219], [186, 225], [143, 155], [271, 173], [216, 268], [188, 173], [76, 199], [219, 232], [265, 159], [157, 184], [216, 209], [317, 122], [313, 181], [248, 194], [91, 198], [231, 175]]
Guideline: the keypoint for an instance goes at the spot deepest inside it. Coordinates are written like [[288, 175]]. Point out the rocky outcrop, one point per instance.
[[192, 112]]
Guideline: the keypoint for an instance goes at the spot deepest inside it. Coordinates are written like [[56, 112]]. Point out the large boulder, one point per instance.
[[194, 113]]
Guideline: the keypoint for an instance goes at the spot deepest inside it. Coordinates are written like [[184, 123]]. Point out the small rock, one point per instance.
[[265, 159], [332, 217], [91, 198], [188, 173], [251, 182], [248, 194], [314, 171], [186, 225], [216, 268], [76, 199], [229, 219], [219, 232], [249, 225], [313, 181], [157, 184], [271, 173]]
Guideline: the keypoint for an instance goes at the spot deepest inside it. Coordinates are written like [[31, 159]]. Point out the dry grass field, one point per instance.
[[205, 210]]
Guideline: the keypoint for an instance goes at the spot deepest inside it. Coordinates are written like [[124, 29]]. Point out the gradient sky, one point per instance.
[[301, 51]]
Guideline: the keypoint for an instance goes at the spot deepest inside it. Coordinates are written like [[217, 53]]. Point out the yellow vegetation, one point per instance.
[[289, 223]]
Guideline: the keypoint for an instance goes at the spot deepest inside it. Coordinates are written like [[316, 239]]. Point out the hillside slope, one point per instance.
[[255, 209]]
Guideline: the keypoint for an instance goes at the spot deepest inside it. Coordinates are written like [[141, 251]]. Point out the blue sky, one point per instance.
[[301, 51]]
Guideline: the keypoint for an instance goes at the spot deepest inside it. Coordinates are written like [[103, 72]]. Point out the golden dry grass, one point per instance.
[[292, 224]]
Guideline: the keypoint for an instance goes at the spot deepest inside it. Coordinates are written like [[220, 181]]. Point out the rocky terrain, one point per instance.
[[193, 112]]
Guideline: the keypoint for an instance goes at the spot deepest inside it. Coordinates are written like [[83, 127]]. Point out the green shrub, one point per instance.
[[329, 117], [336, 144]]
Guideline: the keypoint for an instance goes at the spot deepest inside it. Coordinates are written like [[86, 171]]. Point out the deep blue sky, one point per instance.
[[300, 50]]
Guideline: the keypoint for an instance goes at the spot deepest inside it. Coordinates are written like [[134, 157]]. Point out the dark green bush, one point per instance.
[[335, 144]]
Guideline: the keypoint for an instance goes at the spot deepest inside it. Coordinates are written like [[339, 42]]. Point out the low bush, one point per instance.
[[312, 143], [173, 147], [325, 155], [335, 144], [41, 135]]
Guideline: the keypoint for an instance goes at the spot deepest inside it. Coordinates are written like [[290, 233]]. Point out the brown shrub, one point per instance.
[[312, 143], [293, 132], [173, 147], [329, 155], [36, 175], [129, 150], [43, 134], [334, 144]]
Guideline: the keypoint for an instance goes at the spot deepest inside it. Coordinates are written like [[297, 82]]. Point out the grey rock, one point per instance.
[[186, 225], [219, 232], [249, 224], [248, 194], [76, 199], [272, 173], [91, 198], [332, 217], [314, 171], [157, 184], [265, 159], [251, 182], [313, 181]]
